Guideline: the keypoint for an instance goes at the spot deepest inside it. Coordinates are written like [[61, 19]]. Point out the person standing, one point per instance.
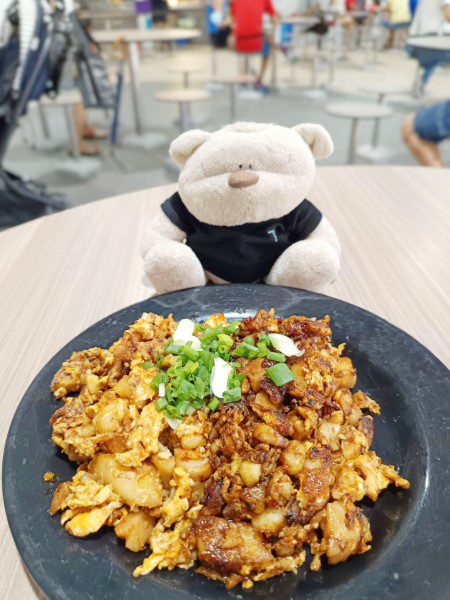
[[398, 21], [248, 17]]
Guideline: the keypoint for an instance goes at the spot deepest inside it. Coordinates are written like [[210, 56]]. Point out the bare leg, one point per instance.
[[425, 152], [390, 39], [264, 65], [83, 130]]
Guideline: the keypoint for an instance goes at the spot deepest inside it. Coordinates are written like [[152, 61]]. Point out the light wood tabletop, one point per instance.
[[431, 42], [62, 273]]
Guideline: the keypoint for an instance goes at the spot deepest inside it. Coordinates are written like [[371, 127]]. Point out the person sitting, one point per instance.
[[424, 130]]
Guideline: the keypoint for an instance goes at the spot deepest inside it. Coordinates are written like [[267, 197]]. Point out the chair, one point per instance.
[[380, 89], [186, 69], [184, 97], [356, 111], [233, 81], [82, 167]]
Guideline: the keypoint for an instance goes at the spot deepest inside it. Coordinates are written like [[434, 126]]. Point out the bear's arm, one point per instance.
[[168, 262], [311, 263], [160, 228]]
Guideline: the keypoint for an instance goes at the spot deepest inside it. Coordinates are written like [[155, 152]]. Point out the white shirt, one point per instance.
[[429, 18]]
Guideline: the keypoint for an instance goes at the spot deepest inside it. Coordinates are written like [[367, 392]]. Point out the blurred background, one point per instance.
[[92, 93]]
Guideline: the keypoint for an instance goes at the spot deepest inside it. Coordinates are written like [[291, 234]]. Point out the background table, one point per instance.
[[62, 273], [132, 37], [431, 42]]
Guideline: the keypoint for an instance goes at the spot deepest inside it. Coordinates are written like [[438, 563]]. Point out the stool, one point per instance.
[[184, 97], [233, 81], [82, 167], [67, 100], [381, 90], [357, 111], [186, 69]]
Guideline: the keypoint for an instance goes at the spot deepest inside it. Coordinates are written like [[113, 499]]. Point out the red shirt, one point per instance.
[[248, 23]]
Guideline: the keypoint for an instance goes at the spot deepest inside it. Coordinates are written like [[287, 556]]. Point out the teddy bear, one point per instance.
[[240, 214]]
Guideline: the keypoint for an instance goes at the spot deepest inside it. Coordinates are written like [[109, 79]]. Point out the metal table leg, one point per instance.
[[184, 116], [73, 136], [376, 126], [44, 122], [232, 102], [352, 147], [274, 78], [133, 62]]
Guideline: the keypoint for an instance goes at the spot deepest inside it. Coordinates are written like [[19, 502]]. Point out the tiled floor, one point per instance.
[[132, 169]]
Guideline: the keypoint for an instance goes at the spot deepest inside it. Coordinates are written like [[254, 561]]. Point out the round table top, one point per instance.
[[62, 273], [360, 110], [106, 14], [185, 66], [432, 42], [299, 20], [182, 95], [385, 87], [156, 34]]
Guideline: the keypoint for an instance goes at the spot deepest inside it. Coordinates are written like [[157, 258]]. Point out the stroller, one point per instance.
[[28, 28], [34, 46]]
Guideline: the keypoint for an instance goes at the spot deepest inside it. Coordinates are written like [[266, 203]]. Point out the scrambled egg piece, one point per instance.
[[241, 490]]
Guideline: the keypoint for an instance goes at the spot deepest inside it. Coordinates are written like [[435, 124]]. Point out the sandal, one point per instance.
[[92, 133]]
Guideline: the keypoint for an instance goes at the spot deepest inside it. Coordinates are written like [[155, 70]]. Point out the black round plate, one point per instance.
[[411, 545]]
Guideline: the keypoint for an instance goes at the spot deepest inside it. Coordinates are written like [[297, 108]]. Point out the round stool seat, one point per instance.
[[186, 67], [386, 87], [240, 78], [182, 95], [358, 110], [68, 98]]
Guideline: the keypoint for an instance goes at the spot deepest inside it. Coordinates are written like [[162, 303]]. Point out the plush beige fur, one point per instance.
[[282, 161]]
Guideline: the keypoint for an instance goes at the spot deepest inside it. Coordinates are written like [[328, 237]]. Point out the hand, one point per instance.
[[310, 265], [173, 266]]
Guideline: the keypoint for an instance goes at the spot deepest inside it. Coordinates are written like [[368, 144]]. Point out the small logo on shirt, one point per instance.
[[275, 231]]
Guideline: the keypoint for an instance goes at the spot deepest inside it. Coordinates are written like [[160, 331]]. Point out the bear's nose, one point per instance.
[[242, 179]]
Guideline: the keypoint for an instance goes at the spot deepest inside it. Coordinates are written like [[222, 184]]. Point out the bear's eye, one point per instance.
[[240, 166], [249, 166]]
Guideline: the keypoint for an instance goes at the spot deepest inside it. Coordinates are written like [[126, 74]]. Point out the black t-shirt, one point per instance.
[[242, 253]]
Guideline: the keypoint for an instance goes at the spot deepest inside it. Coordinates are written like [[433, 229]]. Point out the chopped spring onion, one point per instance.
[[246, 350], [161, 390], [214, 404], [232, 395], [276, 356], [147, 365], [284, 344], [280, 374]]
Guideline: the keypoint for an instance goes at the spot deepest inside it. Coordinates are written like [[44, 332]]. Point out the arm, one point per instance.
[[311, 263], [168, 262], [446, 10]]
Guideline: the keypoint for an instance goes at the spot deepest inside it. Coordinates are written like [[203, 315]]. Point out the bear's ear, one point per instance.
[[186, 144], [317, 138]]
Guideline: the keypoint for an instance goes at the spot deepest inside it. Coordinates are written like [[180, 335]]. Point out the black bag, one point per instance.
[[92, 78]]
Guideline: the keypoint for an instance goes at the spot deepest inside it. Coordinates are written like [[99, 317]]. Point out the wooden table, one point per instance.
[[62, 273], [108, 16], [132, 37]]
